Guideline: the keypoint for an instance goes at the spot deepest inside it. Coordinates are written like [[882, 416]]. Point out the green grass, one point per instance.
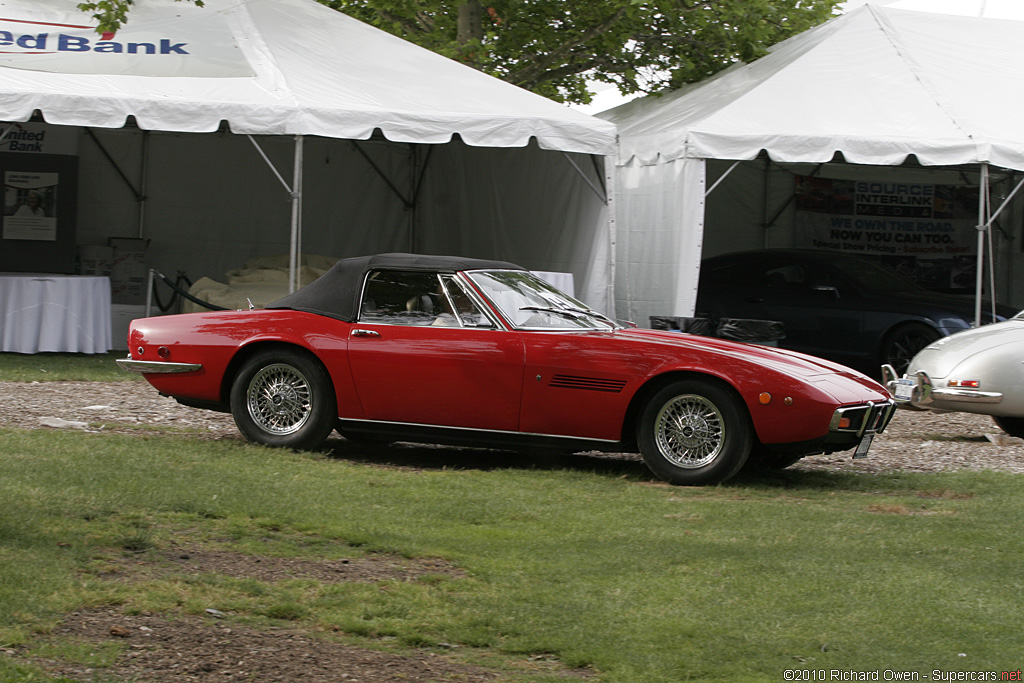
[[49, 367], [641, 581], [602, 568]]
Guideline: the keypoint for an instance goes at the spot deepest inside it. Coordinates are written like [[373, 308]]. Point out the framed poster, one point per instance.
[[40, 212], [30, 202]]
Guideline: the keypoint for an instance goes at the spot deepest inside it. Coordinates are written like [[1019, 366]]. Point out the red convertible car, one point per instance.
[[463, 351]]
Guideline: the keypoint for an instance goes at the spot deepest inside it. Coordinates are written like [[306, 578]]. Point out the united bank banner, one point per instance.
[[196, 42], [925, 231]]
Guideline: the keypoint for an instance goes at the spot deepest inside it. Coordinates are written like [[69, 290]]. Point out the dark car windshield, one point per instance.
[[832, 270], [873, 277]]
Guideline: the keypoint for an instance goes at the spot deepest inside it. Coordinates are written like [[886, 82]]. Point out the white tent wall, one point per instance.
[[212, 203], [658, 256], [529, 206]]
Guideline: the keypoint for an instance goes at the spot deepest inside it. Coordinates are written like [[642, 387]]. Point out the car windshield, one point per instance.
[[530, 303], [874, 277]]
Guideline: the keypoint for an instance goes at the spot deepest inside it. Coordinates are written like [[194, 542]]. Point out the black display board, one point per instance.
[[37, 234]]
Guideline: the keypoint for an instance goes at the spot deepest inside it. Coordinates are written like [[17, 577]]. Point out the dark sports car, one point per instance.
[[464, 351], [833, 305]]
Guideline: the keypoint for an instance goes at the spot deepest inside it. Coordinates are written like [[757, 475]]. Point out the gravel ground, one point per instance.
[[914, 441]]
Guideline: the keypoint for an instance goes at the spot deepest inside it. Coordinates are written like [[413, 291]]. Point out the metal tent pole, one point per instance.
[[143, 185], [295, 191], [990, 218], [296, 247], [979, 277]]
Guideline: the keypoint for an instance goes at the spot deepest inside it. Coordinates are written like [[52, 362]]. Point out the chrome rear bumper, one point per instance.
[[924, 393]]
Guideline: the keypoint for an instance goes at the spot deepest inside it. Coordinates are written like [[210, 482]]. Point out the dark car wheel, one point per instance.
[[1014, 426], [283, 398], [694, 432], [903, 343]]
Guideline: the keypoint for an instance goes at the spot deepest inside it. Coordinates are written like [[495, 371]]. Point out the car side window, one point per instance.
[[396, 297], [731, 277], [415, 298], [788, 275], [463, 306]]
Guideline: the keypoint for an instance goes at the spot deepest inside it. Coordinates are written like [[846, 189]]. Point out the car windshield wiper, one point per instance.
[[594, 314], [574, 313], [567, 312]]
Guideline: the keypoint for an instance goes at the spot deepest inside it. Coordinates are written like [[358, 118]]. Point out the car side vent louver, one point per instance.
[[589, 383]]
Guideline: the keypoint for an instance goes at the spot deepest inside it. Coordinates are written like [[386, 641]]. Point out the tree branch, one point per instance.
[[531, 75]]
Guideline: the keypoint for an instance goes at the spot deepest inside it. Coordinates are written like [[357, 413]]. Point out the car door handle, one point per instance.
[[364, 333]]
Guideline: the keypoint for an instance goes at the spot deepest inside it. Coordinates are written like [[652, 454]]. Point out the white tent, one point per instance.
[[877, 87], [401, 149]]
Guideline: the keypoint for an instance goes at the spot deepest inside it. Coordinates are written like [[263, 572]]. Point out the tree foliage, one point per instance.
[[553, 47], [110, 15]]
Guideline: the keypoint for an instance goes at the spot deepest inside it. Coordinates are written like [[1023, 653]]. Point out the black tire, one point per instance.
[[902, 344], [285, 399], [694, 432], [1014, 426]]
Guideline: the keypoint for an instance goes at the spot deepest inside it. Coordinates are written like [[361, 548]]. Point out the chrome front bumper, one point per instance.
[[920, 392], [155, 366], [858, 425], [869, 418]]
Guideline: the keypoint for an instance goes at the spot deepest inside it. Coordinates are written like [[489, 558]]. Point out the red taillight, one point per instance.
[[965, 383]]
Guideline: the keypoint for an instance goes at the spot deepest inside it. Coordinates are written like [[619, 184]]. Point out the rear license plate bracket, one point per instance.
[[904, 389]]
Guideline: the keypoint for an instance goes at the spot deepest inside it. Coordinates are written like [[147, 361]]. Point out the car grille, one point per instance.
[[872, 417]]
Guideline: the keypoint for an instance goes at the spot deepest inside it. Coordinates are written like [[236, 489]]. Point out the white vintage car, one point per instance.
[[980, 370]]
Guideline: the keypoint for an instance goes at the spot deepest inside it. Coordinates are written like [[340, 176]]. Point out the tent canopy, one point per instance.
[[877, 85], [401, 149], [279, 67]]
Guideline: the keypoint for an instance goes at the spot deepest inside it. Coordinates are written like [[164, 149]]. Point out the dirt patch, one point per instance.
[[161, 649], [163, 563], [215, 648]]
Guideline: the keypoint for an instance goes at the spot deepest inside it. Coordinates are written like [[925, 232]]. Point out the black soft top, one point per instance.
[[336, 293]]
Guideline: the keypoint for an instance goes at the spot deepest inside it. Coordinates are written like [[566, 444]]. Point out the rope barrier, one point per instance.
[[179, 291]]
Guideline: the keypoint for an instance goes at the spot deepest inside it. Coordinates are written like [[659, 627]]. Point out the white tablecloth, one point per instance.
[[41, 312]]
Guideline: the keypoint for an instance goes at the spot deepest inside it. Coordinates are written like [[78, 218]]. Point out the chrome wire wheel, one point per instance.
[[689, 431], [279, 399], [695, 431]]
